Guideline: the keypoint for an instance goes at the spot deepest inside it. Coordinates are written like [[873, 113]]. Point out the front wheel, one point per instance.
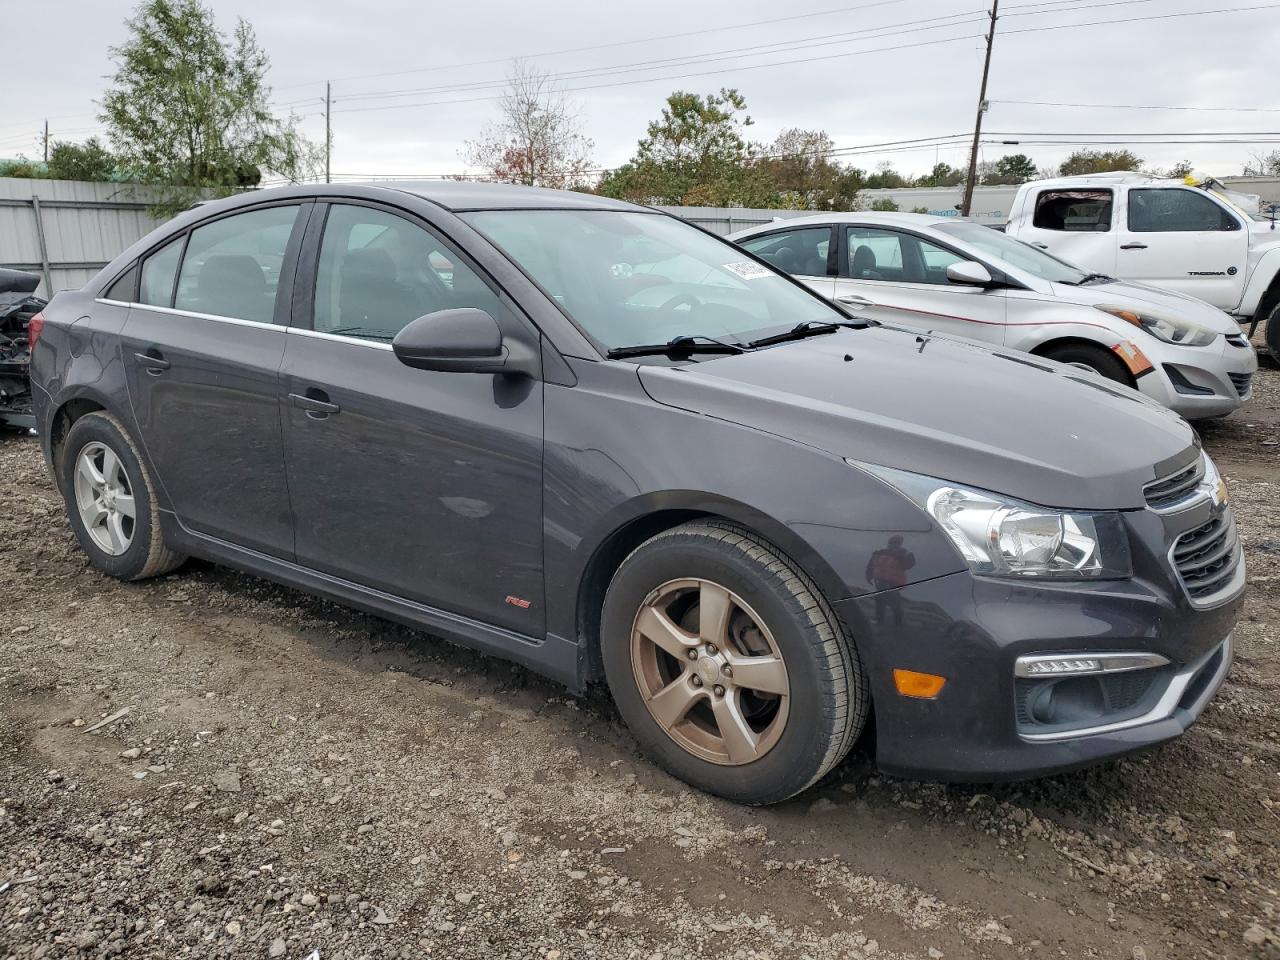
[[728, 666], [1098, 359], [1272, 333]]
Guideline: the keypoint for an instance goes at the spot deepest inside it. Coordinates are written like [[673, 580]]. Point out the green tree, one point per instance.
[[1014, 168], [1098, 161], [695, 153], [22, 168], [90, 160], [188, 108], [799, 165], [887, 178], [942, 175]]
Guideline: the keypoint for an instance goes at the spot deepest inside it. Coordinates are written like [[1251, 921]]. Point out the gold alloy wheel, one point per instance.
[[710, 672]]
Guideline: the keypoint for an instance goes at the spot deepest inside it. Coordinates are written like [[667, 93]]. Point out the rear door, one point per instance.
[[897, 277], [1182, 239], [202, 349], [1077, 225], [807, 253], [420, 484]]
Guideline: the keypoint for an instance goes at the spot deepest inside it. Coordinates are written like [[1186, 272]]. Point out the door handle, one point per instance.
[[855, 301], [1133, 246], [1037, 243], [153, 362], [318, 407]]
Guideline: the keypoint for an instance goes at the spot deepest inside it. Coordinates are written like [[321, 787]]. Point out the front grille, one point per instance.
[[1237, 339], [1243, 382], [1206, 557], [1173, 490]]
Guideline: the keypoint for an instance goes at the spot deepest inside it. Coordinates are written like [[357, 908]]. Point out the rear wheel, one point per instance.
[[1089, 357], [111, 501], [728, 666]]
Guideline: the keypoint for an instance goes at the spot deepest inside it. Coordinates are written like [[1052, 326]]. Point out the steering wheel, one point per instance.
[[679, 300]]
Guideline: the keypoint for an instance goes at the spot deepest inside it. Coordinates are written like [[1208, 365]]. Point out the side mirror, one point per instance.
[[462, 340], [970, 273]]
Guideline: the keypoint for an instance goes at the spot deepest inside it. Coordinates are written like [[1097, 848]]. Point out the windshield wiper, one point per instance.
[[809, 328], [676, 345]]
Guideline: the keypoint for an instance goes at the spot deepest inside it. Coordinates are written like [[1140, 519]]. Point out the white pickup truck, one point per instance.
[[1161, 232]]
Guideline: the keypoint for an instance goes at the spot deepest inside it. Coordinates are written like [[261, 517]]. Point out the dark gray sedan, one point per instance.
[[600, 442]]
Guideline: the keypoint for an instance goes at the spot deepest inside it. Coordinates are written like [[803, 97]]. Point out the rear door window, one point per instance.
[[1074, 211], [232, 266], [801, 252], [1165, 210], [158, 273]]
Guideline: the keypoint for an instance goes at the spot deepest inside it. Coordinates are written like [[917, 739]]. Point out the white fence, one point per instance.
[[67, 231]]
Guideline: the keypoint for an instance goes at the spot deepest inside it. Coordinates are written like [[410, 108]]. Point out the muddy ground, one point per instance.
[[293, 776]]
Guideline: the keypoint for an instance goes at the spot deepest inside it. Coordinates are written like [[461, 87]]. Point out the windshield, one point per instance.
[[641, 278], [1017, 254]]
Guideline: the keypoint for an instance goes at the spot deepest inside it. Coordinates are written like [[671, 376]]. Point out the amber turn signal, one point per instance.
[[922, 686]]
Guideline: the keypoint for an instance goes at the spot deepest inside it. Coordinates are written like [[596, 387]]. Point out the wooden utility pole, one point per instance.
[[972, 178], [328, 137]]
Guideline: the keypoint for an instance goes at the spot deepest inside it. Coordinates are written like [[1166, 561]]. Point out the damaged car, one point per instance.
[[19, 308]]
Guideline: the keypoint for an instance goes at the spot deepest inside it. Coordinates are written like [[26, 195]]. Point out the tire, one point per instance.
[[1098, 359], [800, 734], [1271, 333], [134, 548]]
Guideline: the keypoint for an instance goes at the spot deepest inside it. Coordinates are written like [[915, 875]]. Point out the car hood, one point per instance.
[[1011, 423], [1137, 296]]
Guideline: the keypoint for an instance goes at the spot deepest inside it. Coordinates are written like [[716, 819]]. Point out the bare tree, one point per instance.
[[538, 140]]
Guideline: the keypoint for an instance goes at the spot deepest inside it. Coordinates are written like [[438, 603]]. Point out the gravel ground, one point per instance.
[[293, 776]]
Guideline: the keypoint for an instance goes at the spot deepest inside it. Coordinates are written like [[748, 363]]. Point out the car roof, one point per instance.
[[470, 195], [904, 220], [454, 195]]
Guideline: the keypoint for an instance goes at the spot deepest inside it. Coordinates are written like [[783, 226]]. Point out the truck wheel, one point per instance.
[[728, 666], [111, 502], [1099, 360], [1271, 333]]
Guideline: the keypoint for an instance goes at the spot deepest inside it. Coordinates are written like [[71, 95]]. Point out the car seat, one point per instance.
[[233, 285]]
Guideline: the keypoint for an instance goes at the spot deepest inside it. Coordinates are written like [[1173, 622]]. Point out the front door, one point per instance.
[[1181, 239], [899, 278], [420, 484], [202, 350]]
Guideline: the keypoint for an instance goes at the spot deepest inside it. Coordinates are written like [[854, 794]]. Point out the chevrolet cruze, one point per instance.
[[598, 441]]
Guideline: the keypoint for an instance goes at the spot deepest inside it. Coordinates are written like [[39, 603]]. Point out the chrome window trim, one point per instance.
[[340, 338], [174, 311], [1164, 707], [1108, 663], [112, 303]]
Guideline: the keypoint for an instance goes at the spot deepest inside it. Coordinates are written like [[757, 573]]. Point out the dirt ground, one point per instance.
[[292, 776]]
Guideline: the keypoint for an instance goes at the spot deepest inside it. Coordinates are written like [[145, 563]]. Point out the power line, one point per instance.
[[615, 43], [780, 63], [784, 46], [1138, 106], [691, 59]]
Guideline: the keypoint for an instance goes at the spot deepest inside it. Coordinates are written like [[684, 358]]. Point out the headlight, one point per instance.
[[1002, 537], [1180, 332]]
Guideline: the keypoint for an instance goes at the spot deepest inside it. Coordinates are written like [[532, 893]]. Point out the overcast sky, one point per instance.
[[852, 87]]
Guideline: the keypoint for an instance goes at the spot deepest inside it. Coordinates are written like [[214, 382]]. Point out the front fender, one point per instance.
[[1261, 275]]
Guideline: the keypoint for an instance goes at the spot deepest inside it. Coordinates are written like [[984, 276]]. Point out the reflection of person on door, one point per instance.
[[887, 570]]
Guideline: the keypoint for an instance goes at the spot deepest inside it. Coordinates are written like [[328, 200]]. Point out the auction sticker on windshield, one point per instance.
[[748, 270]]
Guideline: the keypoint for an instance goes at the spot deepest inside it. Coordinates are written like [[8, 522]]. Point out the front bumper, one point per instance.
[[971, 630], [1199, 383]]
